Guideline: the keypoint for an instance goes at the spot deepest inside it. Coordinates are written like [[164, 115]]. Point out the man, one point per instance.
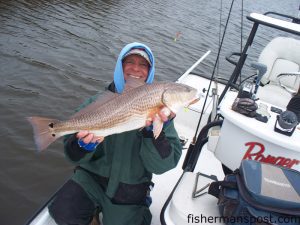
[[114, 173]]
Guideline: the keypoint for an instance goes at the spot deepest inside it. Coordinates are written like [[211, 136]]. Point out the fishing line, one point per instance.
[[242, 25], [220, 28], [214, 69]]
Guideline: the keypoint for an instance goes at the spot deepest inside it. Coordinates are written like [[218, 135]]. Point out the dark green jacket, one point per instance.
[[130, 157]]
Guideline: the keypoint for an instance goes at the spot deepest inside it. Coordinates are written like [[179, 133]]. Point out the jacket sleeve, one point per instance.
[[161, 154], [75, 153]]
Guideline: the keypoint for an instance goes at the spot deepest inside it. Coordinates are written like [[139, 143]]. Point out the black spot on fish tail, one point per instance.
[[43, 131]]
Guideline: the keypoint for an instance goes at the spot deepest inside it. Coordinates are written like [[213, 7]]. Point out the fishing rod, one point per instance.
[[213, 73]]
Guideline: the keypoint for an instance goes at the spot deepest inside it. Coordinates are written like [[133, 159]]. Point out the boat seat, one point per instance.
[[281, 55]]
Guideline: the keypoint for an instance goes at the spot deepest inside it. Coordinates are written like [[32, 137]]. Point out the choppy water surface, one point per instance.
[[54, 54]]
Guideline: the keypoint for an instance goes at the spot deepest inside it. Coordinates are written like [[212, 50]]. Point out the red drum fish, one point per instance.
[[117, 113]]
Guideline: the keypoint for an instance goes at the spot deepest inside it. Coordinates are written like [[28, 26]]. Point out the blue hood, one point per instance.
[[118, 74]]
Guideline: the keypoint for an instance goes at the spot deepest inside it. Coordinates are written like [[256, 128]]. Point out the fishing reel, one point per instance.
[[245, 101], [249, 89]]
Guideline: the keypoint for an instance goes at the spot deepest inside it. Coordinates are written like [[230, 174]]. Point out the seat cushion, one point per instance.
[[274, 95]]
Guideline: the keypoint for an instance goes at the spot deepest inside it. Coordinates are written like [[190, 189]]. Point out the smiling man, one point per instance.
[[135, 60], [136, 64], [113, 174]]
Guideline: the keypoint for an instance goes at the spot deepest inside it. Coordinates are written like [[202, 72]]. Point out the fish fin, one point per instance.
[[108, 96], [157, 126], [133, 83], [42, 131], [101, 100]]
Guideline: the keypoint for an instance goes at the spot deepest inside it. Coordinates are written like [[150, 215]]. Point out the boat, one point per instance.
[[216, 138], [227, 136]]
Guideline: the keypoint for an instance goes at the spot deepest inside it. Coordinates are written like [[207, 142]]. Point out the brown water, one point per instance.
[[55, 53]]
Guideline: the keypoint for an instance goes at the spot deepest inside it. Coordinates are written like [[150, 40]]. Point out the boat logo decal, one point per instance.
[[256, 151]]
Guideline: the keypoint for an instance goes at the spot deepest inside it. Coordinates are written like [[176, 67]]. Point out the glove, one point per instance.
[[88, 147]]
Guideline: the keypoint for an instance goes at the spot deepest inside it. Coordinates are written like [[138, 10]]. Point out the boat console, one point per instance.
[[242, 137]]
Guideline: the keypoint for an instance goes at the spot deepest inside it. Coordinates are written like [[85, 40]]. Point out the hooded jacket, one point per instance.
[[118, 74]]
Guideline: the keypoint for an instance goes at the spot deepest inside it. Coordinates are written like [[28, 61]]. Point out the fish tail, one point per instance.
[[43, 131]]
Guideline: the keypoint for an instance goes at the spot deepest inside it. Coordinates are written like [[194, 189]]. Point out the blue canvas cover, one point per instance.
[[258, 193], [271, 185]]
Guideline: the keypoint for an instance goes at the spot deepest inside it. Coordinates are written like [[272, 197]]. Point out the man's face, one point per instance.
[[135, 66]]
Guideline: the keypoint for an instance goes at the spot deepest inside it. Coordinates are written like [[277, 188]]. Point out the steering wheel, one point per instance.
[[282, 75]]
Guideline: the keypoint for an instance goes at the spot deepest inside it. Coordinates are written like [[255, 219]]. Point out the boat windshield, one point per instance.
[[275, 23]]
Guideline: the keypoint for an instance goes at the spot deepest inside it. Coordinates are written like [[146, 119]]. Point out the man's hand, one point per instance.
[[88, 137], [164, 114]]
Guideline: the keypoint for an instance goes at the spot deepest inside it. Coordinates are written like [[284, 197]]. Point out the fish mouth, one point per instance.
[[196, 99], [193, 101]]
